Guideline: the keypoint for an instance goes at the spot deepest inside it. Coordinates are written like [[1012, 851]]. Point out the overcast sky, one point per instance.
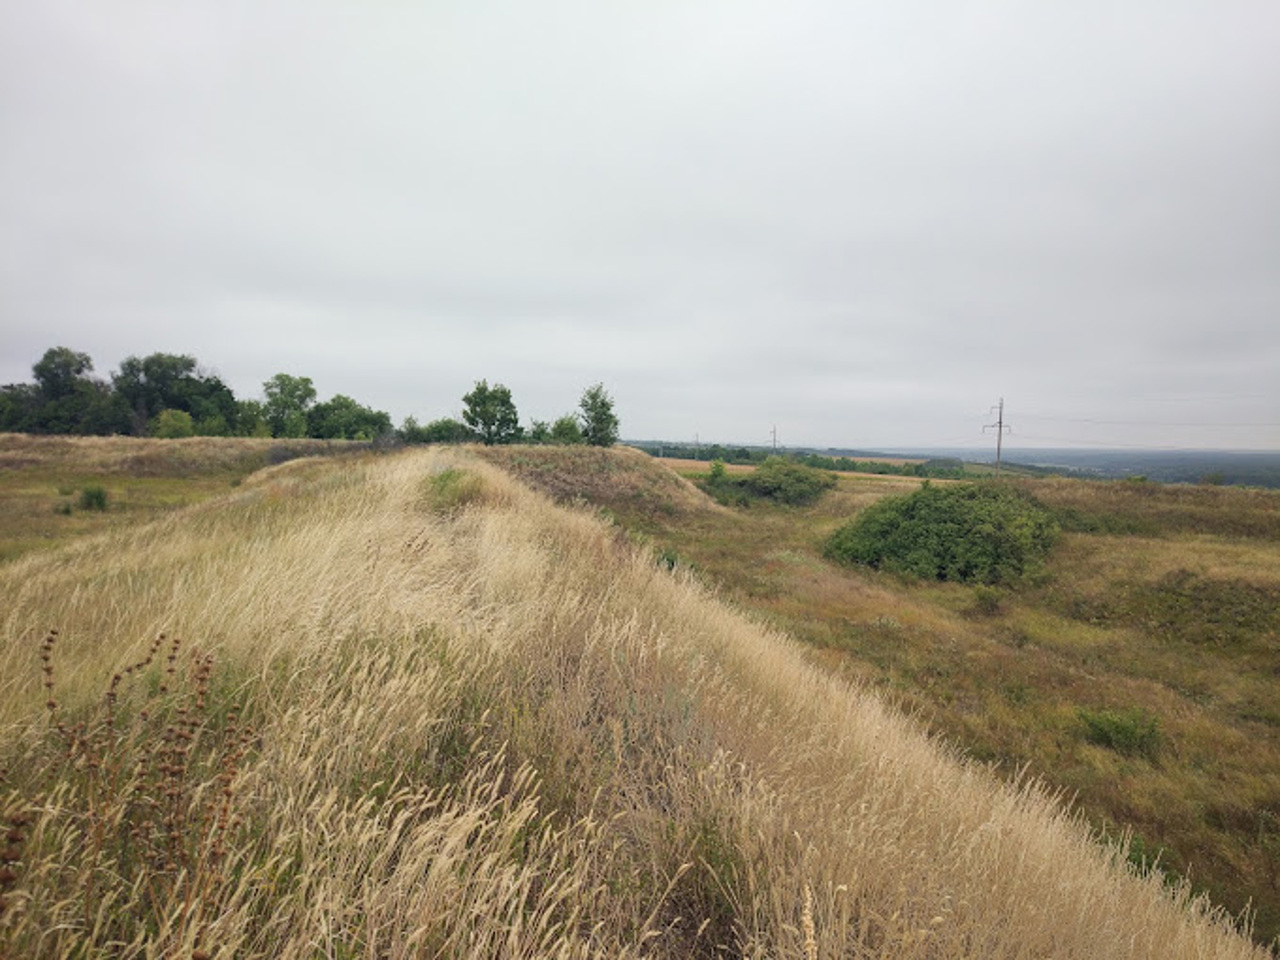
[[860, 222]]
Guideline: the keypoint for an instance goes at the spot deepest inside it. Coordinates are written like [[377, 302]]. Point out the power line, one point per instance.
[[1145, 423]]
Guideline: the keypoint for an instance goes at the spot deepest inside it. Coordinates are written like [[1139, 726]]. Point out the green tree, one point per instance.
[[539, 432], [490, 412], [566, 430], [59, 371], [288, 400], [599, 425], [171, 381], [341, 418], [171, 424], [444, 430], [251, 419], [65, 399]]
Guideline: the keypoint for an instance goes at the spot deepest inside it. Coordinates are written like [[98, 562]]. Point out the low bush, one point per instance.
[[778, 479], [971, 533], [93, 498], [1134, 733], [986, 601]]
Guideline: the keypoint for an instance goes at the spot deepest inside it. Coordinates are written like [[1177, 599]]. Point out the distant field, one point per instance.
[[701, 466], [406, 706]]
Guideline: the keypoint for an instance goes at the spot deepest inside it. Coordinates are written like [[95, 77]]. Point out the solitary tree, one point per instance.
[[490, 412], [599, 425]]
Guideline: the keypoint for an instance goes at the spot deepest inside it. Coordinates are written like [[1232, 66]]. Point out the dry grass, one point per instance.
[[145, 457], [622, 480], [1179, 624], [42, 480], [488, 727]]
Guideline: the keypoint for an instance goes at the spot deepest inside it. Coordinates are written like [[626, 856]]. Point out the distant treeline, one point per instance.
[[946, 468], [171, 395]]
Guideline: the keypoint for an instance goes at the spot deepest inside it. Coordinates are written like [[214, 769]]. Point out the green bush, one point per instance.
[[986, 601], [971, 533], [1135, 733], [93, 498], [786, 481], [172, 424]]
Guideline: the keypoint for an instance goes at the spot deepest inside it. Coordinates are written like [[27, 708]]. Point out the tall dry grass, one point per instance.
[[428, 713]]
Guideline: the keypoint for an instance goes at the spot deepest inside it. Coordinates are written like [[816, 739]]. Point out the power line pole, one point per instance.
[[1000, 428]]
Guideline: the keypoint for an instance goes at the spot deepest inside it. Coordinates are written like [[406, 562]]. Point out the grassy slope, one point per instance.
[[1108, 629], [42, 477], [470, 724]]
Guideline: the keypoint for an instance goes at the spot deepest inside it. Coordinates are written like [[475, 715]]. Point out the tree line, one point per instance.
[[171, 395]]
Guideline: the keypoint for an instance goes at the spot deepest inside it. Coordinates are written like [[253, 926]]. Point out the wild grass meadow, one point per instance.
[[403, 705]]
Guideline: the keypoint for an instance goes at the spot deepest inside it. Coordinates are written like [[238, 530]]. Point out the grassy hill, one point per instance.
[[404, 705], [1158, 617]]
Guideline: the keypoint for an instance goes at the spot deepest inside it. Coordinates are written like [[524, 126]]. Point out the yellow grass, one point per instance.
[[486, 726]]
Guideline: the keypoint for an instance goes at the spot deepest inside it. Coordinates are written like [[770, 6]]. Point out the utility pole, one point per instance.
[[1000, 429]]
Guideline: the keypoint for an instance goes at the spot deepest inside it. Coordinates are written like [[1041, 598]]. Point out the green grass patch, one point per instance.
[[1187, 607], [452, 489], [1134, 732]]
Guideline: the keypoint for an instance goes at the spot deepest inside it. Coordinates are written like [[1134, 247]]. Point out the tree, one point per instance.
[[341, 418], [490, 412], [65, 398], [566, 430], [539, 432], [251, 419], [599, 425], [172, 381], [444, 430], [58, 372], [288, 400], [19, 403], [150, 384]]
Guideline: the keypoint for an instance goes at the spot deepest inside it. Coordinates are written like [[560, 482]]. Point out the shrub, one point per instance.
[[986, 600], [972, 533], [172, 424], [786, 481], [93, 498], [566, 430], [1135, 733]]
